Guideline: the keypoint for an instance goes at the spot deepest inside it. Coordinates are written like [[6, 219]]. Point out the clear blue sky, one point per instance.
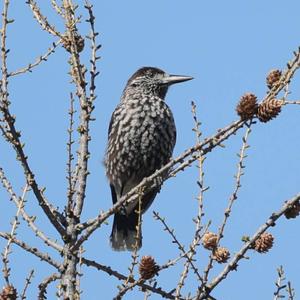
[[228, 47]]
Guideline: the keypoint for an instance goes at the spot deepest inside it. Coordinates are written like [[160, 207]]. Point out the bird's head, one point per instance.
[[153, 81]]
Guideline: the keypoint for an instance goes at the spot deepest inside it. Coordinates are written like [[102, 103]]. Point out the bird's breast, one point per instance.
[[141, 139]]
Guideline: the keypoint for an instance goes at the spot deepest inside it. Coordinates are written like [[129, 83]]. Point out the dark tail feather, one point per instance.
[[124, 232]]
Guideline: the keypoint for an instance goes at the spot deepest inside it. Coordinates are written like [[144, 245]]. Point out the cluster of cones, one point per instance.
[[221, 254], [210, 242], [248, 107]]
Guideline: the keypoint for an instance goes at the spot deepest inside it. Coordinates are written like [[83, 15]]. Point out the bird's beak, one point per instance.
[[171, 79]]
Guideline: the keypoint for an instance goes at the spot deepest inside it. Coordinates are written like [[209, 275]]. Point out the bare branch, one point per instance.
[[110, 271], [71, 259], [57, 8], [70, 156], [44, 284], [292, 102], [128, 287], [6, 269], [42, 20], [37, 62], [202, 189], [232, 198], [86, 107], [43, 256], [279, 284], [179, 245], [239, 174], [290, 291], [29, 219], [27, 283], [93, 69]]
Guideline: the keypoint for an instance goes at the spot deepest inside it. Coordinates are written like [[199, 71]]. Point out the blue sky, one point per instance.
[[228, 47]]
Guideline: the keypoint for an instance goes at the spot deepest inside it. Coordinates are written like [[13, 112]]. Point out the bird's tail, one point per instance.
[[125, 234]]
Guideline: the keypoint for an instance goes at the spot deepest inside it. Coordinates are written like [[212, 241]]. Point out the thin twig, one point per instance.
[[27, 283], [7, 251], [42, 20], [44, 284], [232, 198], [128, 287], [57, 8], [147, 295], [37, 62], [33, 250], [80, 273], [173, 261], [110, 271], [29, 219], [292, 102], [93, 69], [70, 143], [177, 242], [290, 291], [86, 108], [202, 189], [242, 155], [279, 284]]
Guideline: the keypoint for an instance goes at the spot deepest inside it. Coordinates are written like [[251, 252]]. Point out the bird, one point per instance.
[[141, 139]]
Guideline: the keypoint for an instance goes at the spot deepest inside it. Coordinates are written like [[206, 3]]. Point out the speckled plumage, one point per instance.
[[142, 136]]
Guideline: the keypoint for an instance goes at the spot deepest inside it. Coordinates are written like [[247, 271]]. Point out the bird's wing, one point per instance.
[[113, 194]]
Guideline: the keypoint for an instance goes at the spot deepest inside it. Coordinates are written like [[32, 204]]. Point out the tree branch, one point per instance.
[[232, 265], [29, 219], [43, 256], [37, 62]]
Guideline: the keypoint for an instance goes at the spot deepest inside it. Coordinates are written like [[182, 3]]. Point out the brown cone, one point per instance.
[[79, 42], [221, 255], [264, 243], [209, 240], [8, 293], [247, 107], [268, 110], [273, 77], [148, 267], [293, 212]]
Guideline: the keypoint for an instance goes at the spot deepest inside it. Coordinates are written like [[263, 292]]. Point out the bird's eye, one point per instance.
[[134, 84]]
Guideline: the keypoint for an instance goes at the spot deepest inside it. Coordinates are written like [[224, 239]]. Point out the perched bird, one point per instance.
[[141, 139]]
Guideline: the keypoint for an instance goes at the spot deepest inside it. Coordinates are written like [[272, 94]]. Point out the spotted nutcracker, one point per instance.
[[141, 139]]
